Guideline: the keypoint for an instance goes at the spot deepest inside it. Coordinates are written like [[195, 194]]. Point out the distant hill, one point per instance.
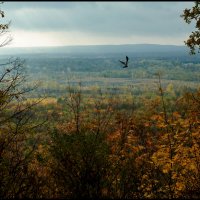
[[98, 49]]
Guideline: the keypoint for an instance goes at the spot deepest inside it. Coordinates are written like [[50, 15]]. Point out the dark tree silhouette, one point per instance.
[[17, 125]]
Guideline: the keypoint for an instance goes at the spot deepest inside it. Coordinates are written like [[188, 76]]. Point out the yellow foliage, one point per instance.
[[156, 117], [166, 168], [176, 115], [180, 186]]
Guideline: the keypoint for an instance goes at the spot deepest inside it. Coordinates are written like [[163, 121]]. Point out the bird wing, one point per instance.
[[122, 62], [127, 58]]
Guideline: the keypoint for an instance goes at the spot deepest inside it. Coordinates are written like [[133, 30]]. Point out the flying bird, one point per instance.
[[125, 63]]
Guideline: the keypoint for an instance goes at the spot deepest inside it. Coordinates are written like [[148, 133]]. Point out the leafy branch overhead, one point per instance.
[[4, 27], [190, 15]]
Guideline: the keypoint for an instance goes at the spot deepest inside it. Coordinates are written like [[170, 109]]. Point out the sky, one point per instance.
[[66, 23]]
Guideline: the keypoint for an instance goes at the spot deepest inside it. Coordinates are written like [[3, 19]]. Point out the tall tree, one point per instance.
[[18, 140]]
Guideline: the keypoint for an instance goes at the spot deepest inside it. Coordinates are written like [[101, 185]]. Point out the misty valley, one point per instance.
[[54, 72]]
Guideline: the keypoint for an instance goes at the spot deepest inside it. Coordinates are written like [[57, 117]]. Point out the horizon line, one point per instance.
[[76, 45]]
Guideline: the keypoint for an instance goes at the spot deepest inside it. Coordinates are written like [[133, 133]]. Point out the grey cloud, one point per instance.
[[101, 18], [38, 5]]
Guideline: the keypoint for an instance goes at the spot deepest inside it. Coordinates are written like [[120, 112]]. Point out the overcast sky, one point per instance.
[[90, 23]]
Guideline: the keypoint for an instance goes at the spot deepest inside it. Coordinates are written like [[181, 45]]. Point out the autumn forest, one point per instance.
[[80, 126]]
